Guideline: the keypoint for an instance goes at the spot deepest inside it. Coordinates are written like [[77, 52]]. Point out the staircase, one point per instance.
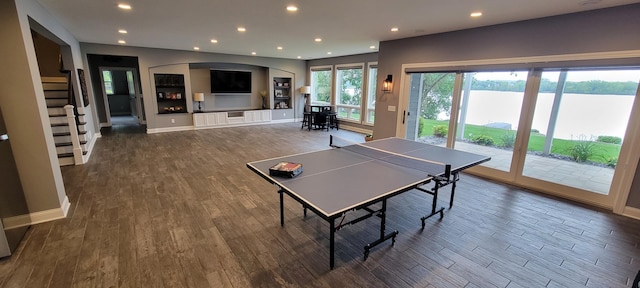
[[66, 126]]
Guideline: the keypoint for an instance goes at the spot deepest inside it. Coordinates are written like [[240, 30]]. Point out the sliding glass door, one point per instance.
[[489, 115], [579, 126], [555, 130]]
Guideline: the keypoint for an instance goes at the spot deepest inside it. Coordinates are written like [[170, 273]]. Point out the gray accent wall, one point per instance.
[[605, 30]]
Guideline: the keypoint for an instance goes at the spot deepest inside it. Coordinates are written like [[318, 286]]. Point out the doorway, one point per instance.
[[122, 97]]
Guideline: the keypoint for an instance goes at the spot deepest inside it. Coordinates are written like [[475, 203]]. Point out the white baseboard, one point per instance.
[[631, 212], [85, 158], [38, 217], [169, 129], [281, 121]]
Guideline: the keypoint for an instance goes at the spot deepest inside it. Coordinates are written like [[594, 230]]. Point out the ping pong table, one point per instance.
[[357, 177]]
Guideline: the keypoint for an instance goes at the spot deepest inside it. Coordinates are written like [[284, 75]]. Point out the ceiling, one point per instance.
[[346, 27]]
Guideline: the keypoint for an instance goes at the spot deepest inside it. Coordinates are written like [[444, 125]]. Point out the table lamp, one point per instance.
[[199, 97], [306, 90]]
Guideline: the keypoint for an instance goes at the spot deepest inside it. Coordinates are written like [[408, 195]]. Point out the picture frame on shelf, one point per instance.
[[278, 93]]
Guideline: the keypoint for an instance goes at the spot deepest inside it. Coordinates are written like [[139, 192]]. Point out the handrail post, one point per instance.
[[75, 138]]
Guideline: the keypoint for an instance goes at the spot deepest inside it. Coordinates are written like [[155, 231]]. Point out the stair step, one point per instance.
[[67, 124], [55, 86], [56, 94], [61, 144], [68, 133], [53, 79], [65, 155]]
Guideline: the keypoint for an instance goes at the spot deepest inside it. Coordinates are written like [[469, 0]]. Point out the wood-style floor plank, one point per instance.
[[181, 209]]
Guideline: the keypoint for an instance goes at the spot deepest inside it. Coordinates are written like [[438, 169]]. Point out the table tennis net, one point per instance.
[[432, 168]]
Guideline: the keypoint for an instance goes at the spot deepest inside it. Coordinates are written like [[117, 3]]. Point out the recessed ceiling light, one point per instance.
[[196, 48], [394, 29], [124, 6], [279, 47], [318, 39], [122, 31], [292, 8], [253, 53], [476, 14], [328, 53], [242, 29], [214, 41], [122, 42], [299, 57], [372, 47]]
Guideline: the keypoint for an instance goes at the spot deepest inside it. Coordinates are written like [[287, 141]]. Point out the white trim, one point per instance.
[[526, 60], [356, 129], [169, 129], [38, 217], [92, 142], [631, 212]]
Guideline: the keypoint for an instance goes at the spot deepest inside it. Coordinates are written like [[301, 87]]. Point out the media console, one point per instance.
[[231, 118]]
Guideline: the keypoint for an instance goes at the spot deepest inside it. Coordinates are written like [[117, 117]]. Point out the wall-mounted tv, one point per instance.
[[227, 81]]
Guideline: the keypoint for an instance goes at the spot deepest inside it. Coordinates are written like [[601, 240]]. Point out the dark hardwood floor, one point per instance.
[[182, 210]]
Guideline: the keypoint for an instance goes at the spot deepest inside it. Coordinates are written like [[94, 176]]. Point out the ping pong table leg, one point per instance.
[[453, 192], [281, 207], [434, 202], [332, 233]]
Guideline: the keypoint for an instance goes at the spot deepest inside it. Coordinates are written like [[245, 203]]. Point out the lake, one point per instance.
[[580, 115]]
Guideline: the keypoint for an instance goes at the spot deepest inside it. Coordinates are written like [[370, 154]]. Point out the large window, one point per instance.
[[371, 94], [349, 92], [321, 85]]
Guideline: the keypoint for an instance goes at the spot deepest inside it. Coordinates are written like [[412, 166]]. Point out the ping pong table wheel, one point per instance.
[[366, 253]]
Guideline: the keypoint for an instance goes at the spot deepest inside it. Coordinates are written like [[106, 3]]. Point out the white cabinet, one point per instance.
[[232, 118]]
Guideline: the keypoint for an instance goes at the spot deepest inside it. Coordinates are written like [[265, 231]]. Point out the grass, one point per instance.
[[604, 153]]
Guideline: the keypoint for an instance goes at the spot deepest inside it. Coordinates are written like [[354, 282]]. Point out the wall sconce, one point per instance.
[[387, 85], [199, 97]]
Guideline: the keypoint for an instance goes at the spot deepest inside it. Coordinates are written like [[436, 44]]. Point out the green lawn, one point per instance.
[[601, 152]]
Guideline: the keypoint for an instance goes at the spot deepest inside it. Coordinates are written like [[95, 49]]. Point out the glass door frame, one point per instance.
[[630, 150]]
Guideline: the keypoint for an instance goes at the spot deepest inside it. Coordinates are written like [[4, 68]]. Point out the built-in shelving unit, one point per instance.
[[282, 93], [170, 93]]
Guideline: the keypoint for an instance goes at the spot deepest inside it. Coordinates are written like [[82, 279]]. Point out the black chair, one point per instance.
[[320, 120], [332, 118], [307, 117]]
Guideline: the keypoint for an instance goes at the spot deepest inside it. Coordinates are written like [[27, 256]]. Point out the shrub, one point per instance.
[[536, 131], [609, 139], [440, 131], [420, 126], [483, 140], [611, 162], [508, 139], [582, 150]]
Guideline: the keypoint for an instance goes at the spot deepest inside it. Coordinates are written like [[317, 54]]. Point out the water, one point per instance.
[[580, 115]]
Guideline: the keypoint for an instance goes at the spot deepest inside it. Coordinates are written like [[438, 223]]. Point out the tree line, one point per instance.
[[597, 87]]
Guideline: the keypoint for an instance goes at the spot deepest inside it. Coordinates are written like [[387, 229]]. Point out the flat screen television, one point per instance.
[[226, 81]]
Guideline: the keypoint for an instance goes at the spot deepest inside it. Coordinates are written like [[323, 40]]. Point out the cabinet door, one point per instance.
[[199, 120], [212, 119], [221, 118], [251, 116]]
